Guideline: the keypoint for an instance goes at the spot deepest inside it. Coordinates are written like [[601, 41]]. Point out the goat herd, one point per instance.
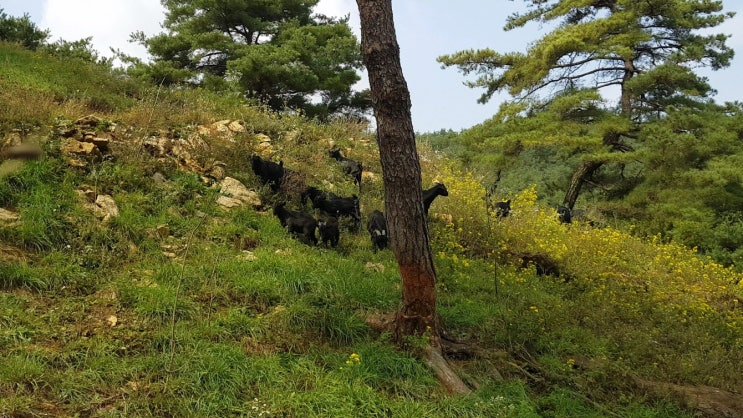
[[333, 207]]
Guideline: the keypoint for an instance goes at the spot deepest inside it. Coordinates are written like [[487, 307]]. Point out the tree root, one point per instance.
[[710, 402], [432, 355], [443, 371]]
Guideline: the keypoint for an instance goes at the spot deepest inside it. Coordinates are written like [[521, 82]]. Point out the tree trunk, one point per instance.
[[580, 176], [586, 170], [626, 99], [401, 173]]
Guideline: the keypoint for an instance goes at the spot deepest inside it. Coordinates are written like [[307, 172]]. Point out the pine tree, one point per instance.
[[647, 50], [276, 52]]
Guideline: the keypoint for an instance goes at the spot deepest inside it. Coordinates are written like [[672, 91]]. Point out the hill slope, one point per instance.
[[169, 303]]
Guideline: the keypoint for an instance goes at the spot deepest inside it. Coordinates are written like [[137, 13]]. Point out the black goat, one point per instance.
[[268, 171], [428, 195], [564, 214], [503, 209], [329, 231], [298, 223], [349, 166], [377, 227], [311, 192], [340, 207]]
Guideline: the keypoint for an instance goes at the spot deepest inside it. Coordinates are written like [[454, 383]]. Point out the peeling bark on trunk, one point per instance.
[[402, 182]]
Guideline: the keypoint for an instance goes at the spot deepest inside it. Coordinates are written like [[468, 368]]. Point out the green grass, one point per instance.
[[116, 320]]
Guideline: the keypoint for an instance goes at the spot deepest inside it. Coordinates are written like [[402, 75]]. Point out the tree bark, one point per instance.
[[626, 98], [401, 173], [586, 170], [580, 176]]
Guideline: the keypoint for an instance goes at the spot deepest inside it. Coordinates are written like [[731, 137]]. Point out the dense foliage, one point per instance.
[[660, 156], [21, 30], [276, 52], [648, 50]]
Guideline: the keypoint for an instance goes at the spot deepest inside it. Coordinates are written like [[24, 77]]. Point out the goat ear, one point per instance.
[[281, 163], [508, 202]]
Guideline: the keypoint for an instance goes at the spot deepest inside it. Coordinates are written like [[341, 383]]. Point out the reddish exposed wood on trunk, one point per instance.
[[400, 167], [401, 173], [418, 313]]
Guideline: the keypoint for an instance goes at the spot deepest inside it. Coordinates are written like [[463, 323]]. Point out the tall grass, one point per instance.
[[36, 87], [41, 193]]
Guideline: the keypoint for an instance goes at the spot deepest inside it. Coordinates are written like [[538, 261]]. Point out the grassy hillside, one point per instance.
[[179, 307]]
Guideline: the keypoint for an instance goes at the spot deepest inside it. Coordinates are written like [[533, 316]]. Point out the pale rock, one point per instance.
[[159, 178], [103, 144], [87, 150], [74, 162], [87, 193], [185, 160], [203, 130], [90, 121], [158, 147], [107, 206], [217, 170], [236, 126], [229, 202], [265, 149], [221, 126], [13, 139], [262, 138], [232, 188], [196, 142]]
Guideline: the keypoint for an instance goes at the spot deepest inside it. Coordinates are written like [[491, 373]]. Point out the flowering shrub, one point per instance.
[[625, 275], [460, 222]]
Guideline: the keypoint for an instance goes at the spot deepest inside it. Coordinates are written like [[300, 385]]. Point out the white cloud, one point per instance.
[[341, 8], [109, 22]]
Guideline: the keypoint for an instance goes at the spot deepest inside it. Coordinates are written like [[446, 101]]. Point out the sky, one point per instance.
[[426, 29]]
